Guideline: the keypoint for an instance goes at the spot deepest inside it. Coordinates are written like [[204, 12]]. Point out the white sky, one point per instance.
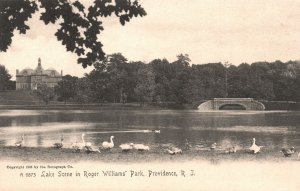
[[208, 30]]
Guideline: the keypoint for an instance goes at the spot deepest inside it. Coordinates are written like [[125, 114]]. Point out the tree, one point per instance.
[[145, 89], [118, 75], [5, 77], [84, 92], [98, 83], [207, 81], [280, 80], [114, 79], [163, 74], [286, 80], [131, 81], [66, 88], [261, 81], [79, 26], [110, 79], [45, 93], [179, 83], [183, 59], [293, 74]]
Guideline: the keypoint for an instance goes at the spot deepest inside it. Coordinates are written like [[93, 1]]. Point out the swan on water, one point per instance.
[[126, 147], [288, 152], [89, 149], [108, 145], [59, 145], [213, 146], [141, 147], [174, 150], [88, 144], [254, 148], [19, 143]]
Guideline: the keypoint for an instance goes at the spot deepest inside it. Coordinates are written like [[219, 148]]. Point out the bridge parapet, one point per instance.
[[258, 105]]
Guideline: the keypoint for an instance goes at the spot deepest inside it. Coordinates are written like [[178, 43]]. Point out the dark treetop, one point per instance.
[[79, 26]]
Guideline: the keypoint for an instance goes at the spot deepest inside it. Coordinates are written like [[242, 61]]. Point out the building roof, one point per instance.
[[51, 71], [26, 72]]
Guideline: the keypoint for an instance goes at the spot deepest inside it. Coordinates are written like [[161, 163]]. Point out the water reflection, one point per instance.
[[43, 128]]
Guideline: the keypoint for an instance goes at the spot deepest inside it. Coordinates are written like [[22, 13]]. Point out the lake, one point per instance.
[[42, 128]]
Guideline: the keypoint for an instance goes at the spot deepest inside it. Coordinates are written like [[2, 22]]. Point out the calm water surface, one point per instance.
[[272, 129]]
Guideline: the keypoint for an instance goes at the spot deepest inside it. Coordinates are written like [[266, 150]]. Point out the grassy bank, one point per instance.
[[32, 154], [95, 106], [281, 105]]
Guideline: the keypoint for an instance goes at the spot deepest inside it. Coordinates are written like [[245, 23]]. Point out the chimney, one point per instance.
[[17, 72], [61, 73]]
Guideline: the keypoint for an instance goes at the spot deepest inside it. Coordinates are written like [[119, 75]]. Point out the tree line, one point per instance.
[[117, 80]]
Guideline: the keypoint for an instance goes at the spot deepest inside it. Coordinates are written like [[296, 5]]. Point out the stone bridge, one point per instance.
[[231, 104]]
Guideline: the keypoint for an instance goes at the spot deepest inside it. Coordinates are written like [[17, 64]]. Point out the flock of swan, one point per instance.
[[107, 145], [88, 147]]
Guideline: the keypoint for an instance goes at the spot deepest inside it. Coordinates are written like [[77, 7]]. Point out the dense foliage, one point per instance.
[[45, 93], [5, 82], [116, 80], [79, 26]]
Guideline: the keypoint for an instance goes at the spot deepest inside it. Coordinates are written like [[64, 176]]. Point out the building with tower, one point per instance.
[[28, 79]]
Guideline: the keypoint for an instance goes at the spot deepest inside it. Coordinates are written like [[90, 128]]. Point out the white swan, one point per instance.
[[88, 144], [19, 143], [126, 147], [90, 149], [174, 150], [59, 145], [254, 148], [108, 145], [141, 147]]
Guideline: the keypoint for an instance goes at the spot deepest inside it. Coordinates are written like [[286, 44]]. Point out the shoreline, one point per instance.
[[204, 170], [103, 106], [130, 106], [116, 156]]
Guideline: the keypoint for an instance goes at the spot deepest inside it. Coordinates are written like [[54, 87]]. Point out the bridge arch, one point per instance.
[[228, 103], [232, 107]]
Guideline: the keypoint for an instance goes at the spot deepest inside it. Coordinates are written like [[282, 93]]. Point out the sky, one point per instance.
[[208, 31]]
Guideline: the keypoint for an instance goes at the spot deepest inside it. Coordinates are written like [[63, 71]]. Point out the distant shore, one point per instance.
[[95, 106], [27, 100], [294, 106]]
